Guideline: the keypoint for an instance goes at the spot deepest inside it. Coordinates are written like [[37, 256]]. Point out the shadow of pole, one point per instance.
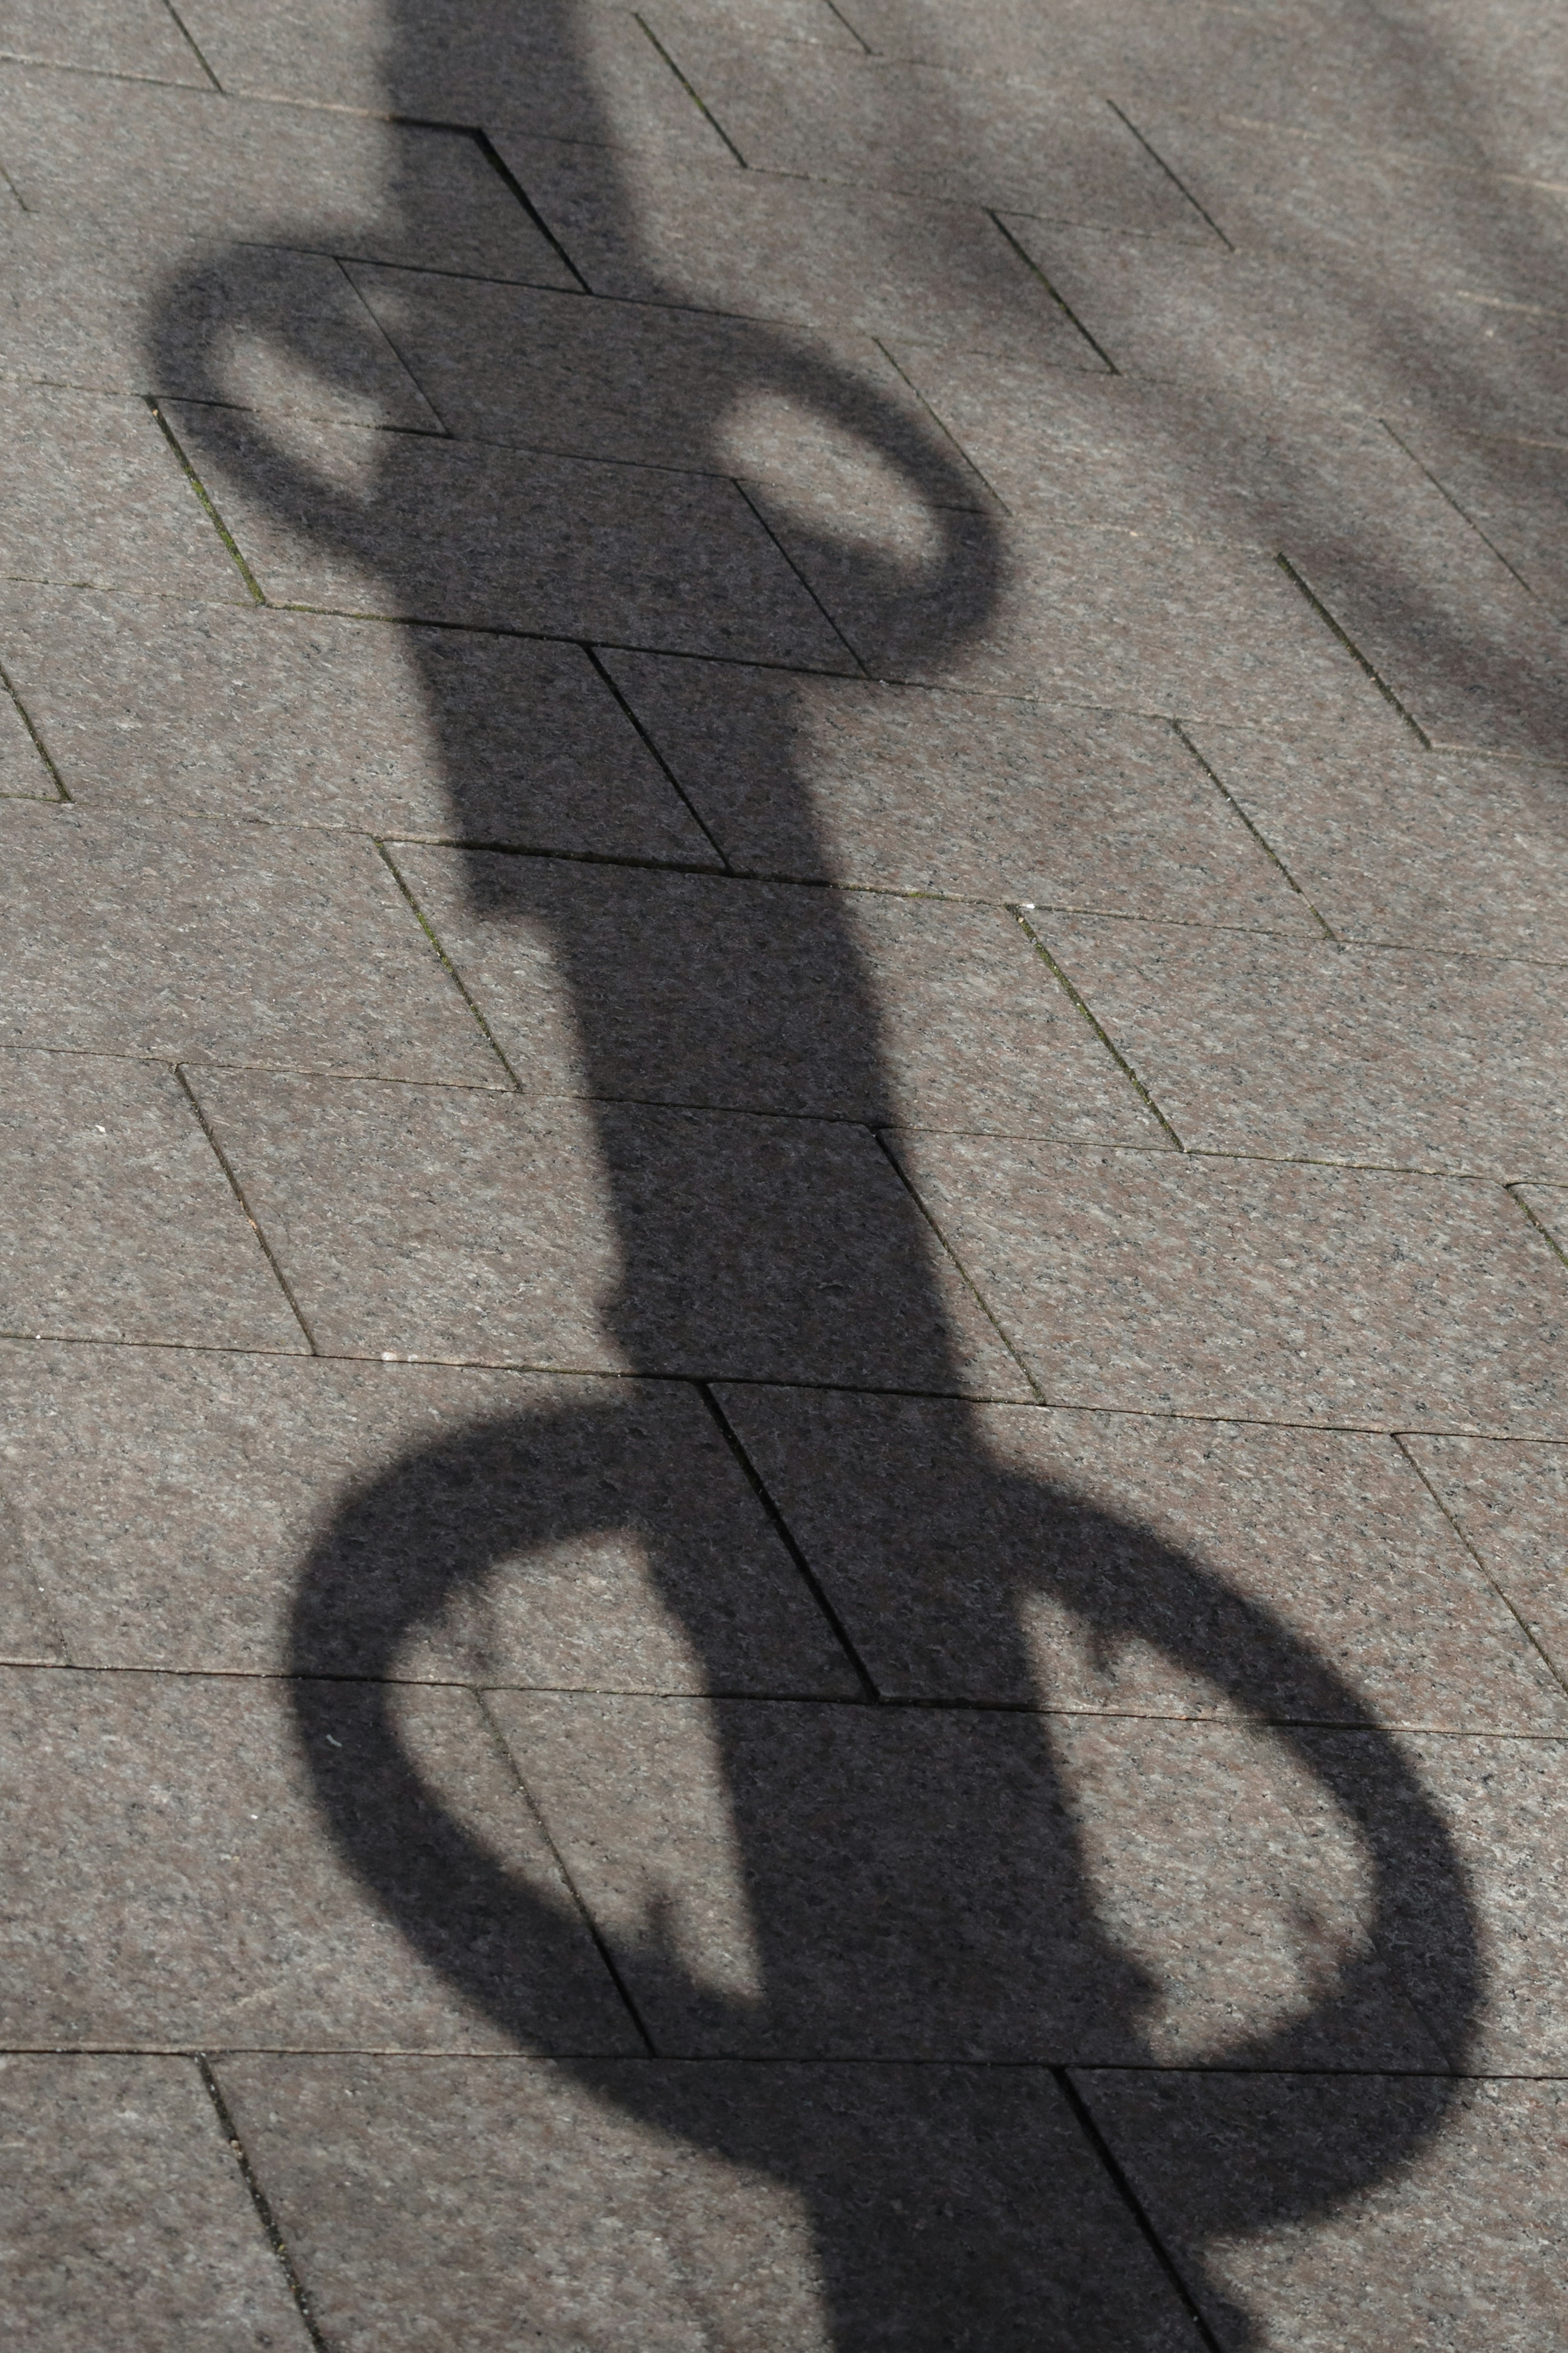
[[402, 1549]]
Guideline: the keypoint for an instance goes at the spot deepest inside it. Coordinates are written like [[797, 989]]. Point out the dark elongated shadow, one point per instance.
[[439, 1527]]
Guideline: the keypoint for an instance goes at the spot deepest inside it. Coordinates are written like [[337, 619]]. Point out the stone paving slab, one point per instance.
[[1508, 1503], [243, 944], [161, 1500], [94, 497], [545, 545], [1308, 1562], [911, 1881], [1407, 849], [992, 2207], [974, 796], [105, 37], [174, 1884], [979, 1034], [435, 1223], [316, 719], [1306, 1052], [127, 2220], [1460, 2246], [1148, 1284], [124, 1225], [798, 250]]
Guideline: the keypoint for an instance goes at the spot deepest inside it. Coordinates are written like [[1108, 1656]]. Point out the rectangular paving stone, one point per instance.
[[165, 1509], [255, 324], [897, 1883], [554, 546], [862, 783], [80, 145], [595, 77], [1331, 329], [1322, 1052], [1120, 1564], [92, 495], [122, 1225], [769, 997], [1088, 616], [1145, 1282], [127, 2221], [1451, 2240], [102, 37], [1408, 848], [176, 1881], [828, 114], [247, 943], [1512, 1502], [650, 2206], [794, 249], [448, 1224], [1499, 1806], [311, 718], [647, 384]]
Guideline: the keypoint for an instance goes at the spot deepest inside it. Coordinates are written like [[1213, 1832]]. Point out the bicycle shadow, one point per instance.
[[901, 2259]]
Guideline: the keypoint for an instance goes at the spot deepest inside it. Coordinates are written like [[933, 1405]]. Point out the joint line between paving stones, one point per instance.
[[346, 273], [1457, 1525], [693, 93], [879, 1139], [1540, 1224], [514, 1773], [943, 427], [202, 493], [1020, 915], [1176, 182], [1462, 512], [1065, 307], [1089, 2126], [698, 819], [261, 2203], [453, 973], [39, 746], [1351, 646], [239, 1191], [1260, 839], [853, 30], [190, 40], [785, 1536], [502, 169], [741, 492]]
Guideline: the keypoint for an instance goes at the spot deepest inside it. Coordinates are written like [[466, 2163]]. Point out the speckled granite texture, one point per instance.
[[784, 1115]]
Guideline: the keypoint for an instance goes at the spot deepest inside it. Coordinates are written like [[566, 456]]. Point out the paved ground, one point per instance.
[[784, 1420]]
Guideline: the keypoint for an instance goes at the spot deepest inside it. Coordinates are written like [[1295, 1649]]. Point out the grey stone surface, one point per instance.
[[121, 1223], [174, 1881], [258, 324], [794, 249], [1455, 2249], [94, 497], [1512, 1502], [101, 36], [908, 1883], [770, 997], [127, 2221], [1550, 1208], [1407, 847], [145, 156], [158, 1507], [1144, 1283], [433, 1223], [652, 2206], [23, 772], [240, 942], [314, 718], [1134, 1565], [551, 547], [969, 795], [1322, 1052]]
